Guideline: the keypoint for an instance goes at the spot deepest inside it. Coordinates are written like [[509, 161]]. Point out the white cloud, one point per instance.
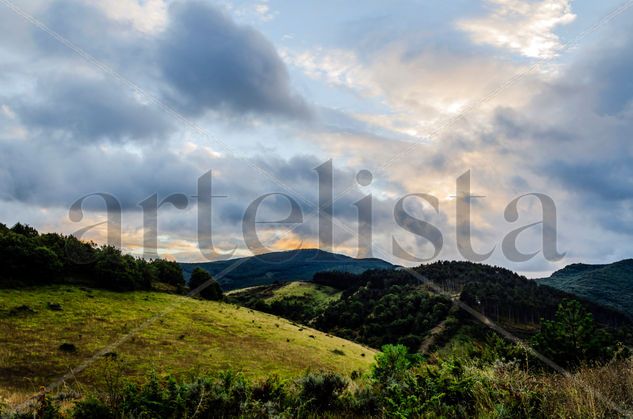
[[7, 111], [264, 12], [147, 16], [338, 67], [422, 90], [526, 27]]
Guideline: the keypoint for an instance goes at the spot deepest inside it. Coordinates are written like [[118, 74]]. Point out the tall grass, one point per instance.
[[603, 391]]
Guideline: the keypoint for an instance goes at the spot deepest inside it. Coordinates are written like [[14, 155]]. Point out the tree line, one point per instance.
[[30, 258]]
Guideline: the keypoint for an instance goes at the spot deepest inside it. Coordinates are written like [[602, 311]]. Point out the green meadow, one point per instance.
[[320, 294], [48, 331]]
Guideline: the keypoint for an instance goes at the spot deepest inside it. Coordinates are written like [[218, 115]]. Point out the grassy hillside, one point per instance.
[[296, 265], [317, 294], [298, 301], [193, 335], [609, 285]]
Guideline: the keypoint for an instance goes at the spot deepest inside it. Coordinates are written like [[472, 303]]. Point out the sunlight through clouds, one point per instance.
[[523, 27]]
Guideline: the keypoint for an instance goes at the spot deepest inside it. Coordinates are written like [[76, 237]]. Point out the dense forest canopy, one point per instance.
[[30, 258]]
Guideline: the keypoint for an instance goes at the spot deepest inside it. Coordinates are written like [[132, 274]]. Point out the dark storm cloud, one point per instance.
[[596, 158], [212, 63], [604, 180], [91, 110], [609, 70], [45, 174]]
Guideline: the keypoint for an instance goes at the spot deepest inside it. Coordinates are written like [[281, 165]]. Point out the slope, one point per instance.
[[609, 285], [192, 335]]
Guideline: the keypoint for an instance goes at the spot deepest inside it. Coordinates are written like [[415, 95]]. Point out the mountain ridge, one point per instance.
[[610, 284], [282, 266]]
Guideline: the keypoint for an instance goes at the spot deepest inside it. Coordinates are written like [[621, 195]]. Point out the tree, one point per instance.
[[573, 337], [116, 271], [25, 230], [211, 290], [169, 272], [149, 272], [46, 263]]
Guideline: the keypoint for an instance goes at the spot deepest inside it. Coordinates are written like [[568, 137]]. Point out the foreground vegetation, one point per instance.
[[398, 385]]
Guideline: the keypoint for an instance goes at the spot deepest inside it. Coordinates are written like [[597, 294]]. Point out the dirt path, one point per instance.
[[429, 340], [431, 337]]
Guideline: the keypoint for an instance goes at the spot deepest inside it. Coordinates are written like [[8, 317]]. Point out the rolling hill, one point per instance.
[[610, 285], [294, 265], [316, 293], [49, 331]]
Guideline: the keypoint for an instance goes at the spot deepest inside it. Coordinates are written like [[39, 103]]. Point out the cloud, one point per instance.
[[212, 63], [566, 134], [524, 27], [264, 12], [147, 16], [420, 88], [572, 141], [87, 109], [189, 55]]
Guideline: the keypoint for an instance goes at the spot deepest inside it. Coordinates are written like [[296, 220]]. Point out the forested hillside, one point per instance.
[[394, 306], [610, 285]]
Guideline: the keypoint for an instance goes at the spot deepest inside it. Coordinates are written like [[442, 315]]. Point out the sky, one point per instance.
[[135, 98]]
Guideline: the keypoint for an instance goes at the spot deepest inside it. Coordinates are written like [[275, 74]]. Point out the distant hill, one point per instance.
[[294, 265], [609, 285]]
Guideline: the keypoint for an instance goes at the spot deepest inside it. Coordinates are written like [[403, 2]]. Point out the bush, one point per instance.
[[391, 364], [169, 272], [116, 271], [91, 408], [321, 391], [444, 388]]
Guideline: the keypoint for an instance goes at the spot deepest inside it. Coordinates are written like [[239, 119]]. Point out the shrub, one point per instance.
[[68, 347], [391, 363], [321, 391], [91, 408], [271, 389]]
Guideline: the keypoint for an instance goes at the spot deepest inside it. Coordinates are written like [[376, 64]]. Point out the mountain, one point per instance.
[[609, 285], [294, 265]]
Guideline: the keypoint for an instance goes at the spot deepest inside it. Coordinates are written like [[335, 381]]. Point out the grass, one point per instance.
[[320, 294], [315, 295], [193, 336], [590, 392]]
